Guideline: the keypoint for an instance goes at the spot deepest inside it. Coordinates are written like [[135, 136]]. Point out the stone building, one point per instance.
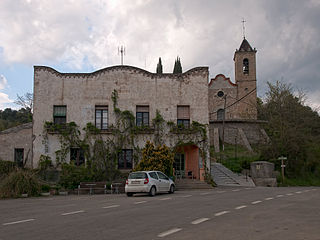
[[197, 113]]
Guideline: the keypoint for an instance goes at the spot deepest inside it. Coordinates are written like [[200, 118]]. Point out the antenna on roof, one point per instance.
[[243, 28], [121, 52]]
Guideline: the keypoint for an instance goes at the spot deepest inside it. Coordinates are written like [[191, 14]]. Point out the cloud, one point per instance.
[[76, 35], [4, 98]]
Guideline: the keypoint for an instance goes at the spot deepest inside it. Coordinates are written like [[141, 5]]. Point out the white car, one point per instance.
[[151, 182]]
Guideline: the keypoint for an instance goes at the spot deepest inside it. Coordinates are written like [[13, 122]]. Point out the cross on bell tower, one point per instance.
[[243, 28]]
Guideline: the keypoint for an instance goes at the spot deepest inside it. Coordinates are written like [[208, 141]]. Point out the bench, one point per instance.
[[117, 187], [92, 187]]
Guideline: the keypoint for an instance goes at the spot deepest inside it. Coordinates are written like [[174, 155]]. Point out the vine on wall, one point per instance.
[[102, 153]]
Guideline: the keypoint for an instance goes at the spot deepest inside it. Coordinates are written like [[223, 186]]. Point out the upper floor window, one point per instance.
[[245, 67], [183, 116], [101, 117], [125, 159], [77, 156], [59, 114], [220, 114], [142, 116]]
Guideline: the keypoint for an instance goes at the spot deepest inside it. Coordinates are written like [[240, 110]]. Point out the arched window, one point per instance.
[[220, 114], [245, 67]]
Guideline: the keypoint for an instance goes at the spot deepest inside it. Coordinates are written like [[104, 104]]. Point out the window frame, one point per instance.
[[124, 154], [183, 120], [58, 116], [144, 115], [16, 152], [79, 154], [245, 66], [101, 108]]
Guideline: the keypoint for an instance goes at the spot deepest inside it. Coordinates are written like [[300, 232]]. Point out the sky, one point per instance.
[[84, 36]]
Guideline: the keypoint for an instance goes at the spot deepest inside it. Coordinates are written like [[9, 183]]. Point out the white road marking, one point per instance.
[[200, 220], [221, 191], [256, 202], [112, 206], [269, 198], [235, 190], [205, 193], [313, 189], [240, 207], [248, 188], [289, 194], [279, 195], [163, 199], [22, 221], [140, 202], [166, 233], [307, 190], [185, 196], [70, 213], [298, 192], [221, 213]]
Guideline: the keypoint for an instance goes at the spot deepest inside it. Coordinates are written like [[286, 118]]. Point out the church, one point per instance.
[[129, 106]]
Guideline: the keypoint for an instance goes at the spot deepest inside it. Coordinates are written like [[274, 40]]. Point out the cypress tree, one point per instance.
[[177, 66], [159, 66]]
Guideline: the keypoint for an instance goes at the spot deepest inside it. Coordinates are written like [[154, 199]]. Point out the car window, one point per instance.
[[162, 176], [137, 175], [153, 175]]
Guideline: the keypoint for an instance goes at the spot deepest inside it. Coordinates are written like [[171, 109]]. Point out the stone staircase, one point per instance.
[[222, 176], [188, 184]]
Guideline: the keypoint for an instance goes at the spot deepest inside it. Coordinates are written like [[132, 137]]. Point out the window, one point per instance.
[[162, 176], [245, 66], [183, 114], [101, 119], [142, 116], [125, 159], [153, 175], [220, 94], [18, 156], [220, 114], [77, 156], [59, 114]]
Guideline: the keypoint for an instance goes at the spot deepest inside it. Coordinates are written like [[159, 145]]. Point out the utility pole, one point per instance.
[[121, 52], [223, 120]]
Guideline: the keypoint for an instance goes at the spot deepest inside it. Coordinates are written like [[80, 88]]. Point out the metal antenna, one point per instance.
[[121, 52], [243, 28]]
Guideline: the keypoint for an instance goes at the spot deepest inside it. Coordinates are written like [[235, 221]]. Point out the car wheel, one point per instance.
[[129, 194], [171, 189], [152, 191]]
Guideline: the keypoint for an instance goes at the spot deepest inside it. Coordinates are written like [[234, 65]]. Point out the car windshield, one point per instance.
[[137, 175]]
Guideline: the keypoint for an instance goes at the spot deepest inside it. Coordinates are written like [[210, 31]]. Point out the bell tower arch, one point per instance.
[[246, 81]]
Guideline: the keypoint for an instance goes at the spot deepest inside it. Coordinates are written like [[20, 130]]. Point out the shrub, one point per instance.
[[19, 182], [158, 158], [6, 167], [72, 175]]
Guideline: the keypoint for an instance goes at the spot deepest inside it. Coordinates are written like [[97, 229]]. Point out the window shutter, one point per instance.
[[183, 112], [142, 108], [59, 111]]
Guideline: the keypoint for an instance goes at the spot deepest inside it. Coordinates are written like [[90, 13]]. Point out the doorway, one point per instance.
[[179, 165]]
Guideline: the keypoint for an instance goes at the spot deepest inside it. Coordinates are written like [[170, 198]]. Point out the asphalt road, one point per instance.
[[221, 213]]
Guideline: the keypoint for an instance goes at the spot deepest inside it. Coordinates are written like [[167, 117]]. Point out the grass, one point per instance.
[[236, 158], [309, 180]]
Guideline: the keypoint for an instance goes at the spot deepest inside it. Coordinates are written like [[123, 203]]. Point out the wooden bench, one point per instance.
[[92, 187]]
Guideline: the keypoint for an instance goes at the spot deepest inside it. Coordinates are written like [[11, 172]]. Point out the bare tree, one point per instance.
[[25, 101]]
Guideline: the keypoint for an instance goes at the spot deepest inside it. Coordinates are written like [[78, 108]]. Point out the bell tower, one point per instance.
[[246, 81]]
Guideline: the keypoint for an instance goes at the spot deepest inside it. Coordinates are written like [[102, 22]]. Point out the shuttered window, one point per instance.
[[183, 116], [59, 114]]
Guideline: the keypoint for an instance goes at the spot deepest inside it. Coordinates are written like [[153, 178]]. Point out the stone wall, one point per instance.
[[82, 92], [16, 137]]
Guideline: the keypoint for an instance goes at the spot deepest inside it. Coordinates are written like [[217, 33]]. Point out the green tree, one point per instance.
[[158, 158], [177, 66], [294, 130], [159, 66]]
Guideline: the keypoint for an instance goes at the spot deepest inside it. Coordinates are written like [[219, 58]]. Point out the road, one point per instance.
[[221, 213]]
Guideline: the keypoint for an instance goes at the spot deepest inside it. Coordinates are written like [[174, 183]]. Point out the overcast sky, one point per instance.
[[84, 35]]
